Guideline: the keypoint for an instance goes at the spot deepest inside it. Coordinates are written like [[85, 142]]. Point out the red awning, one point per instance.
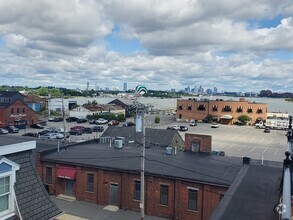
[[66, 173]]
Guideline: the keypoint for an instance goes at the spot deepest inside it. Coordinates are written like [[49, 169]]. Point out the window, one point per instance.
[[136, 190], [23, 110], [239, 109], [4, 193], [195, 146], [17, 110], [49, 175], [189, 107], [180, 107], [192, 199], [201, 108], [259, 110], [227, 108], [215, 108], [90, 182], [12, 110], [249, 110], [164, 195]]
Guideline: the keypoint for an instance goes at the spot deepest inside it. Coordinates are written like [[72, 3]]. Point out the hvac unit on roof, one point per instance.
[[122, 139], [168, 150], [118, 144]]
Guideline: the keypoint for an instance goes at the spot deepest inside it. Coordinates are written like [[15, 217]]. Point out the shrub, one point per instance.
[[157, 119]]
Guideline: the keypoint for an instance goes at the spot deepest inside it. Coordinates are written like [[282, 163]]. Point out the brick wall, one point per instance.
[[177, 208], [10, 114], [205, 142]]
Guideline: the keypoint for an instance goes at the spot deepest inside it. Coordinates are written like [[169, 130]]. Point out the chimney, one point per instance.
[[246, 160]]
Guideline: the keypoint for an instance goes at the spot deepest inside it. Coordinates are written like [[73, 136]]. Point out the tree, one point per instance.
[[157, 119], [208, 119], [42, 91], [55, 92], [244, 118]]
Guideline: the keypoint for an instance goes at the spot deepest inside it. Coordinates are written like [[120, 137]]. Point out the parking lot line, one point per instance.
[[252, 149], [281, 143], [251, 140], [229, 147], [241, 147], [261, 140], [276, 151], [264, 150]]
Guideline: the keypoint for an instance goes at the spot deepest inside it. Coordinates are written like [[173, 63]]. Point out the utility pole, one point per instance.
[[63, 115]]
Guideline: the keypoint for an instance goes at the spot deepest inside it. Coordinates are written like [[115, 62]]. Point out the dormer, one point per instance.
[[7, 179]]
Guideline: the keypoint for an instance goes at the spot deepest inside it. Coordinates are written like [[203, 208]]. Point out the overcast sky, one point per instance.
[[230, 44]]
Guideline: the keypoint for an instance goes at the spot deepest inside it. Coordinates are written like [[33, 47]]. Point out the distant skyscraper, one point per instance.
[[200, 89], [125, 87], [87, 86], [195, 90], [215, 90]]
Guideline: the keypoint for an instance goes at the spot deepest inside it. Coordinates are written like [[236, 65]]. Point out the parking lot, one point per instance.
[[234, 140], [241, 141]]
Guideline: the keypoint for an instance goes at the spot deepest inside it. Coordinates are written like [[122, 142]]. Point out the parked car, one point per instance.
[[239, 123], [92, 121], [57, 119], [48, 136], [76, 132], [44, 132], [88, 130], [98, 129], [30, 134], [214, 125], [71, 119], [113, 123], [174, 127], [37, 126], [81, 120], [3, 131], [101, 121], [128, 124], [67, 134], [183, 128], [193, 124], [266, 130], [43, 123], [51, 119], [12, 129], [218, 153], [77, 128]]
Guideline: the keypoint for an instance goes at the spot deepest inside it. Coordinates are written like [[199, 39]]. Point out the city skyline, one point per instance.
[[162, 45]]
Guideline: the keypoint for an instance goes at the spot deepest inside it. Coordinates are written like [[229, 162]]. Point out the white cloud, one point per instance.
[[205, 42]]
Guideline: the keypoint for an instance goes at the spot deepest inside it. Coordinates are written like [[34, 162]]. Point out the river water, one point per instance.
[[274, 104]]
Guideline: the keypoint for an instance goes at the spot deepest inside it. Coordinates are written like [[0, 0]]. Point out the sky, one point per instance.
[[162, 44]]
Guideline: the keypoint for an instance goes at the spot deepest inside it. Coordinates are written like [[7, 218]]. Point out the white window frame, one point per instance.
[[12, 178]]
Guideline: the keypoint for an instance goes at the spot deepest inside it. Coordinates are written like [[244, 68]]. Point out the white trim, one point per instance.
[[14, 148], [14, 166], [192, 188]]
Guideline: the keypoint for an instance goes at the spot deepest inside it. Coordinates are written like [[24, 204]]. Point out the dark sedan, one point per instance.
[[37, 126]]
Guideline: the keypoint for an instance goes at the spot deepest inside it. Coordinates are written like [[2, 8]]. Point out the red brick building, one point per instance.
[[225, 112], [183, 185], [17, 113]]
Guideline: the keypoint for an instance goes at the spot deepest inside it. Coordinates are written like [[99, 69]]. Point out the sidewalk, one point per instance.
[[81, 210]]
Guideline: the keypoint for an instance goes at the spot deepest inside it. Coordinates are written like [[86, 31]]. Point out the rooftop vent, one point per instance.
[[122, 139], [246, 160], [169, 150], [118, 144]]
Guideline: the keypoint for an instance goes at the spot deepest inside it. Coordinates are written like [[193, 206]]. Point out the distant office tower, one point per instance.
[[173, 90], [209, 91], [215, 90], [195, 90], [107, 89], [96, 87], [124, 87], [200, 90], [87, 86]]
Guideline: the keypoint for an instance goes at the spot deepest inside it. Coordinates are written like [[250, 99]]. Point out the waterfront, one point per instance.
[[274, 104]]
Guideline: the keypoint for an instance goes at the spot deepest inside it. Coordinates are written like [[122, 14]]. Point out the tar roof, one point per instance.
[[253, 195], [8, 93], [189, 166], [159, 137], [41, 145]]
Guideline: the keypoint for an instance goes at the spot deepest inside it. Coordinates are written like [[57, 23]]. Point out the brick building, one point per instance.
[[13, 110], [225, 112], [180, 184]]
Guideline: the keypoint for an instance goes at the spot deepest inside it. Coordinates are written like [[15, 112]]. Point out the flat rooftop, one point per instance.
[[198, 167]]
